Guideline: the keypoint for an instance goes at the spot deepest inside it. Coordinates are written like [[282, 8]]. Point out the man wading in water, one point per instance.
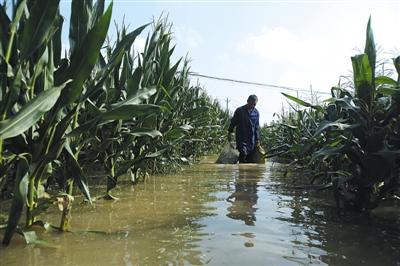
[[246, 121]]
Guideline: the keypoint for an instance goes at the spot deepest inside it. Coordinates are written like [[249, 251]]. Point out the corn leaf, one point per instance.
[[384, 80], [57, 40], [138, 98], [32, 238], [142, 132], [97, 12], [130, 111], [30, 113], [80, 22], [84, 58], [134, 82], [370, 49], [396, 62], [363, 78], [337, 124], [302, 103], [4, 24], [75, 172], [19, 199], [39, 26]]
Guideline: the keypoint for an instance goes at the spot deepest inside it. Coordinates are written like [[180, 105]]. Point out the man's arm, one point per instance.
[[234, 121], [257, 133]]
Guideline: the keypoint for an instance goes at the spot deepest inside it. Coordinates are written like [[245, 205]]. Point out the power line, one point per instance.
[[257, 83]]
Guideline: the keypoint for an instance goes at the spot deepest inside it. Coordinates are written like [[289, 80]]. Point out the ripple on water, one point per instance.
[[216, 214]]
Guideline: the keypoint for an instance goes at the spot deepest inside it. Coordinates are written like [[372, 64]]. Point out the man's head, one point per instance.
[[252, 101]]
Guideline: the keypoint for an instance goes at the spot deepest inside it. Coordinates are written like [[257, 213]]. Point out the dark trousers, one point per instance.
[[246, 158]]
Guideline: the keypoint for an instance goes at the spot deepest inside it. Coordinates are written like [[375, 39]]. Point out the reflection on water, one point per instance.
[[244, 198], [217, 215]]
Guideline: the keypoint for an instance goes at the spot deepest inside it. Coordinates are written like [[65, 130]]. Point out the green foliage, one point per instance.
[[30, 113], [102, 103], [350, 141]]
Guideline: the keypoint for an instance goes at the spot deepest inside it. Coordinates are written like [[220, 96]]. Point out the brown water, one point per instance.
[[216, 215]]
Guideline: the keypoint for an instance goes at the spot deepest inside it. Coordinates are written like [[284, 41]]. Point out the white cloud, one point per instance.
[[303, 60], [316, 57], [281, 45], [187, 37], [273, 44], [320, 54]]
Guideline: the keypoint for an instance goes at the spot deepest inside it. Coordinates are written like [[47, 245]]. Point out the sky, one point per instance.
[[294, 43]]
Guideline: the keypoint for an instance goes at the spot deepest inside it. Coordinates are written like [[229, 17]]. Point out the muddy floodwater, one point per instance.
[[216, 215]]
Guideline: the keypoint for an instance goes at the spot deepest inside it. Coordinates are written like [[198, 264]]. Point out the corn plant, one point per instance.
[[41, 94], [352, 140], [132, 113]]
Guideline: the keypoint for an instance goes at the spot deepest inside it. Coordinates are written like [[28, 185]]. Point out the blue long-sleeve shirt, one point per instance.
[[247, 128]]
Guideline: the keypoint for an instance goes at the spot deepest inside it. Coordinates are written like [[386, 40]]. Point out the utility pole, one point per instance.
[[227, 103]]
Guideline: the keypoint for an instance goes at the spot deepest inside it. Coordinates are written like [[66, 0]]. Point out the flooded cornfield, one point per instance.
[[217, 215]]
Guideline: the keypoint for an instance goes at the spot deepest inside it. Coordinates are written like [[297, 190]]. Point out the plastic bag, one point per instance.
[[229, 155], [259, 155]]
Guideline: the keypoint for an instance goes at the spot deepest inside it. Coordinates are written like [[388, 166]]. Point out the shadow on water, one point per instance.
[[244, 198]]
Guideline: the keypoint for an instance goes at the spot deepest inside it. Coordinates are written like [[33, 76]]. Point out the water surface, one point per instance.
[[216, 215]]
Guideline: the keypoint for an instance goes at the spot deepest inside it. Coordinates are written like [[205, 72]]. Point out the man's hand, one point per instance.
[[258, 144], [260, 149]]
